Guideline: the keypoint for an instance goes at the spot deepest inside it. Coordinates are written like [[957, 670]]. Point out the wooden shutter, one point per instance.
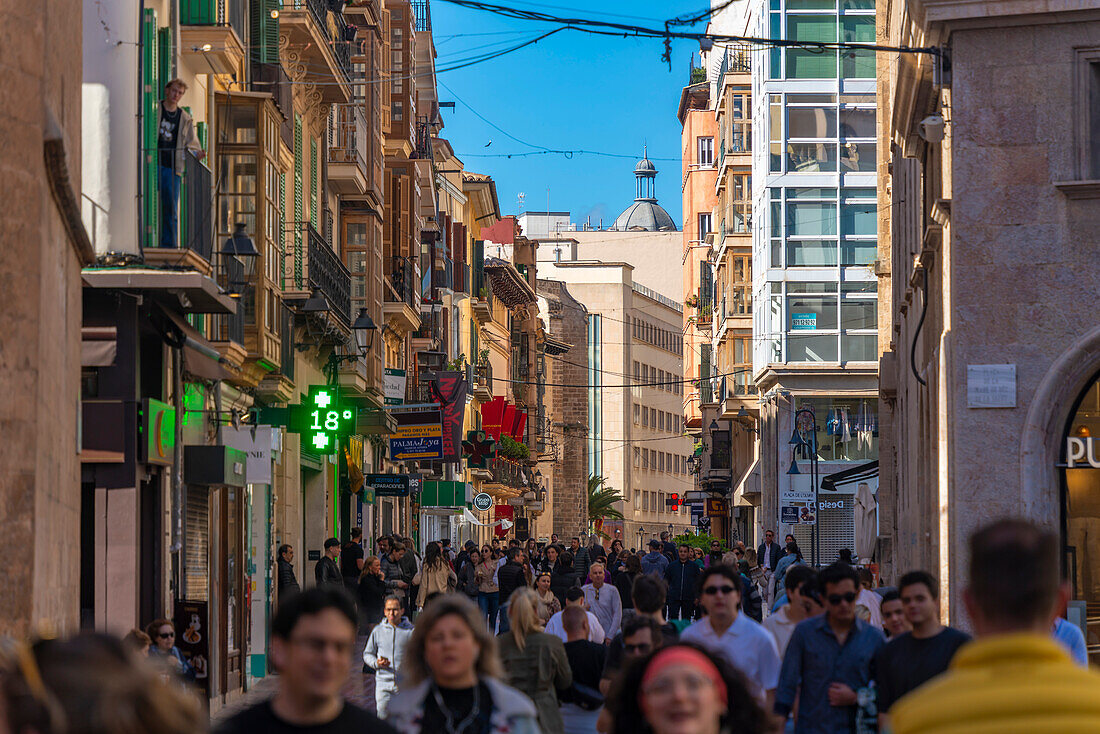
[[298, 208], [264, 30], [280, 230], [313, 213], [150, 101]]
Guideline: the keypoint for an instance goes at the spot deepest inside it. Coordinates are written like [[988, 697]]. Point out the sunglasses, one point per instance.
[[166, 635], [712, 590], [835, 599]]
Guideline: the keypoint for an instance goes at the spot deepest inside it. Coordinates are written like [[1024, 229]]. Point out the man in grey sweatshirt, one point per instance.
[[385, 651]]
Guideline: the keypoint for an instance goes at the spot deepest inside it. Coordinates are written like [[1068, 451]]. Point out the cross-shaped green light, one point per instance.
[[320, 440], [323, 399]]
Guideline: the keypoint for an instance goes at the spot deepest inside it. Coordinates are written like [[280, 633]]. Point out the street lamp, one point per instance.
[[240, 248], [811, 446], [363, 330]]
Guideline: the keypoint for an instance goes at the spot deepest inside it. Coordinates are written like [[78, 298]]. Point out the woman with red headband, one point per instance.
[[682, 689]]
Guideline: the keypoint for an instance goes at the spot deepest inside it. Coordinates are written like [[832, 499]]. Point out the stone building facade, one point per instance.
[[44, 248], [990, 168], [566, 475]]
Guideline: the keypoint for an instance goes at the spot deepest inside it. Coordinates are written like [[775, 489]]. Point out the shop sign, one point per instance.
[[515, 501], [803, 321], [483, 501], [717, 508], [796, 505], [1079, 452], [387, 485], [257, 444], [192, 622], [159, 428], [991, 386], [419, 433], [536, 505], [393, 386], [321, 419]]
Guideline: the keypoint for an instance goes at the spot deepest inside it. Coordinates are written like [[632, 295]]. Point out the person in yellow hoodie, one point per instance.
[[1014, 678]]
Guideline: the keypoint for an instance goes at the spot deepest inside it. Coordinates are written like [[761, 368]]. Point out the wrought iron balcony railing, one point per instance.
[[324, 271], [402, 280]]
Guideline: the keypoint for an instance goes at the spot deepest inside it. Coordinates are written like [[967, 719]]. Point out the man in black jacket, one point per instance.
[[288, 582], [326, 571], [769, 552], [682, 575], [510, 577], [351, 560]]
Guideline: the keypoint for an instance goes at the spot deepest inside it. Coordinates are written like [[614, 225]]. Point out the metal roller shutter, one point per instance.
[[196, 544], [837, 527]]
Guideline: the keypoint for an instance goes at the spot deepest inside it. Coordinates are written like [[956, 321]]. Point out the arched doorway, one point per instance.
[[1080, 495]]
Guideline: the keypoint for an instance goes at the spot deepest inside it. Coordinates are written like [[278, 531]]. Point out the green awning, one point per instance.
[[444, 494]]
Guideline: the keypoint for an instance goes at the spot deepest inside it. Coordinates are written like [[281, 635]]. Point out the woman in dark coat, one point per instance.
[[371, 594], [467, 577], [564, 578]]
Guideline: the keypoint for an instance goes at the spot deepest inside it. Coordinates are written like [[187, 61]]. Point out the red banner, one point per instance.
[[492, 413]]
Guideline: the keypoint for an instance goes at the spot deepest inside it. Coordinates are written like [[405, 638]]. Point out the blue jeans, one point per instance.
[[169, 205], [489, 601]]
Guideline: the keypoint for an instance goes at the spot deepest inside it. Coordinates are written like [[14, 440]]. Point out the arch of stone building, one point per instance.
[[1044, 427]]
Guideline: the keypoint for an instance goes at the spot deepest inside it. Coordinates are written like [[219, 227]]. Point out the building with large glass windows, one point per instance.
[[813, 279]]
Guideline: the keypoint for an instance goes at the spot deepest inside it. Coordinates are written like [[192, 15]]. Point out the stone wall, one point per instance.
[[567, 408], [40, 316]]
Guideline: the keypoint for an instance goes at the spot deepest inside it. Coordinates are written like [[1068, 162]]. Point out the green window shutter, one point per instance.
[[313, 218], [474, 351], [150, 102], [705, 393], [265, 32], [281, 209], [298, 209], [200, 130], [197, 12]]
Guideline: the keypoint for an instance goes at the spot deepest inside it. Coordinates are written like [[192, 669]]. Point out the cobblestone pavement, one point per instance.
[[359, 689]]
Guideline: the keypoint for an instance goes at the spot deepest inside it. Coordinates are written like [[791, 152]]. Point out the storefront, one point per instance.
[[1080, 494]]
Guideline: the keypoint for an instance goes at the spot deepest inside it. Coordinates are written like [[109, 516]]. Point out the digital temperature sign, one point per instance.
[[321, 418]]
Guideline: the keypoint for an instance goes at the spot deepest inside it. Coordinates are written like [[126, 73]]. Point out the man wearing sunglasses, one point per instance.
[[828, 659], [744, 643]]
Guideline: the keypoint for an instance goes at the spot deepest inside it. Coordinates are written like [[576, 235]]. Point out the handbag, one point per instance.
[[587, 697]]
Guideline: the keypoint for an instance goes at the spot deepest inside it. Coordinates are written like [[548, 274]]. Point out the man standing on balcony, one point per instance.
[[175, 135]]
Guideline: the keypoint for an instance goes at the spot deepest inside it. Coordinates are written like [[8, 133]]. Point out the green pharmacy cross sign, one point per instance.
[[321, 418]]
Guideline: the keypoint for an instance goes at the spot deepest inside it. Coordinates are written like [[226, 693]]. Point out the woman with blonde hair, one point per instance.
[[535, 663], [91, 684], [548, 603], [450, 677]]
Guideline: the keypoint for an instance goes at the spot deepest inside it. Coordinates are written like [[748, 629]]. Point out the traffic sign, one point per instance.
[[703, 522], [483, 501]]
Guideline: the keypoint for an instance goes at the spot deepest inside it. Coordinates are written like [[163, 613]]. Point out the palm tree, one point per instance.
[[601, 503]]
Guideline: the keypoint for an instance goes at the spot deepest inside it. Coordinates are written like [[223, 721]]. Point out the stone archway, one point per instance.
[[1041, 435]]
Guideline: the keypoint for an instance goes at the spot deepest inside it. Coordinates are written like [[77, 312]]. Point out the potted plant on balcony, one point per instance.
[[483, 357], [457, 363], [692, 301], [513, 450]]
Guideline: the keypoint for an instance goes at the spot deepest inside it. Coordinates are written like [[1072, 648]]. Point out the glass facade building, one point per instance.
[[814, 179]]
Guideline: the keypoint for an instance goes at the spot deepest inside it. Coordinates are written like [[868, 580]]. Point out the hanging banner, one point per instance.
[[449, 390], [393, 386], [492, 415], [257, 442], [419, 433]]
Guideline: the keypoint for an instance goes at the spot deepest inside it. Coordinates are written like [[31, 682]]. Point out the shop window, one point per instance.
[[847, 428]]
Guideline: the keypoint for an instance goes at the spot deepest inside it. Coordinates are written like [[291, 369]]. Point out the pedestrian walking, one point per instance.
[[467, 574], [327, 572], [603, 599], [548, 603], [396, 581], [371, 593], [799, 582], [582, 701], [90, 684], [385, 651], [727, 632], [138, 643], [681, 689], [649, 604], [534, 662], [450, 678], [463, 556], [630, 568], [655, 561], [580, 557], [682, 576], [1013, 677], [352, 560], [769, 552], [565, 577], [913, 658], [668, 547], [868, 598], [549, 562], [163, 650], [575, 598], [828, 659], [488, 593], [312, 638], [513, 575], [894, 622], [288, 582], [435, 576], [613, 562]]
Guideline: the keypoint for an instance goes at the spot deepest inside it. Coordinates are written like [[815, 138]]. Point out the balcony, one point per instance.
[[272, 78], [227, 336], [507, 475], [319, 47], [735, 60], [483, 382], [402, 302], [316, 267], [482, 302], [195, 236], [217, 25], [423, 15], [278, 387], [347, 168]]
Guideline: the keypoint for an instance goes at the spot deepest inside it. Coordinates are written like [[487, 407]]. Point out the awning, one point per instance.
[[749, 485], [445, 494], [832, 482], [199, 358], [98, 346]]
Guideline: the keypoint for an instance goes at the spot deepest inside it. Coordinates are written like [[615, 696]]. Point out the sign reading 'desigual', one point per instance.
[[1080, 451]]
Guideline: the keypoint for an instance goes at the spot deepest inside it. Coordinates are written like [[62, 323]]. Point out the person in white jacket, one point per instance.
[[385, 651]]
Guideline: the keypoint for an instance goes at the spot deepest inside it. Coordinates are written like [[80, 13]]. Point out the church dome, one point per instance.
[[645, 214]]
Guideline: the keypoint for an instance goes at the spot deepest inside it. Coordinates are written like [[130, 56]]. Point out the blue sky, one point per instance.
[[569, 91]]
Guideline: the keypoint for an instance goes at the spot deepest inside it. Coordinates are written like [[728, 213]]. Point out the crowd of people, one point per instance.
[[513, 638]]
